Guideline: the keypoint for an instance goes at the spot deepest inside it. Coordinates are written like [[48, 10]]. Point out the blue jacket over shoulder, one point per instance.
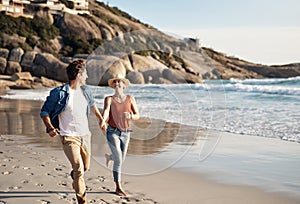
[[58, 99]]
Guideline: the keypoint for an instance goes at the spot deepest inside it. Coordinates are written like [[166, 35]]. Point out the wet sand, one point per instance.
[[34, 169]]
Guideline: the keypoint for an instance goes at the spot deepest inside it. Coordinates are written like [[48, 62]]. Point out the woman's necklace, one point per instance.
[[120, 98]]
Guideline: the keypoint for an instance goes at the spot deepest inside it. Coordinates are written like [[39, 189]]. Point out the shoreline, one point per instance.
[[35, 170]]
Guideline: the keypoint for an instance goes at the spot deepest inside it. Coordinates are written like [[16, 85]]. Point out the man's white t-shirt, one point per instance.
[[73, 120]]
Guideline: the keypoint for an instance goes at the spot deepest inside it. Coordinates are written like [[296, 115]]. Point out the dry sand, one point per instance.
[[37, 171]]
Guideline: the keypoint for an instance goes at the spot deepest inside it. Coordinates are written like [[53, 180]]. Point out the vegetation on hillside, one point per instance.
[[32, 29]]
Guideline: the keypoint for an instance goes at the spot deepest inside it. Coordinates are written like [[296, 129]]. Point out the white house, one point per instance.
[[14, 7]]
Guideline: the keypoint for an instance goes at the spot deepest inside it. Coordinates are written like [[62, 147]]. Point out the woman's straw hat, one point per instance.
[[118, 77]]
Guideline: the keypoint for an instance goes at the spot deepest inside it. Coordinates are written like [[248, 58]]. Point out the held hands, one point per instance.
[[103, 125]]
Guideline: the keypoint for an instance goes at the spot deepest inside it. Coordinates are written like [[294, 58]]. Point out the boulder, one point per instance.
[[27, 60], [49, 82], [53, 45], [22, 76], [151, 75], [45, 14], [38, 70], [76, 25], [173, 76], [211, 75], [135, 77], [13, 40], [179, 77], [6, 83], [24, 84], [105, 33], [196, 62], [155, 45], [3, 63], [116, 69], [99, 68], [166, 49], [12, 67], [141, 63], [127, 64], [4, 53], [47, 65], [160, 80], [16, 54]]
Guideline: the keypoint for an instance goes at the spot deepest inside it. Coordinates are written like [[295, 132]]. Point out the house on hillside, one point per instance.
[[57, 7], [81, 4], [194, 41], [14, 8]]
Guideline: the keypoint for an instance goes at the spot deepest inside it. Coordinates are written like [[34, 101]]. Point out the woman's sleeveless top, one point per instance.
[[116, 114]]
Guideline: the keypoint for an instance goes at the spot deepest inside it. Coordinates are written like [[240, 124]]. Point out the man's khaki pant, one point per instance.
[[77, 150]]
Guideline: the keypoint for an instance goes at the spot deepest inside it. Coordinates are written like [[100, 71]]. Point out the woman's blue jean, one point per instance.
[[118, 142]]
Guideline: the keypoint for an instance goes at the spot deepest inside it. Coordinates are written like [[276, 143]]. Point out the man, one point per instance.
[[65, 113]]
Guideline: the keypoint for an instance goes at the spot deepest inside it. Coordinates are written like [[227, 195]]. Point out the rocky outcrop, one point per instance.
[[79, 27], [21, 66], [229, 67], [115, 43], [45, 14], [24, 80], [44, 67]]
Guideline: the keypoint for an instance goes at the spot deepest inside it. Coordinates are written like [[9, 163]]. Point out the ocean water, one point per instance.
[[263, 113], [258, 107]]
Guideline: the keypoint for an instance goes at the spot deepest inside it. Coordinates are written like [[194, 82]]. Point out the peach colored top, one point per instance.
[[116, 114]]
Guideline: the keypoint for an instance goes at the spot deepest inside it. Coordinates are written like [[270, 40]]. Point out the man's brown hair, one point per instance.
[[74, 68]]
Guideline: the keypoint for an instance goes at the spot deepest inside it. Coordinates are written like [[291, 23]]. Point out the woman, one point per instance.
[[118, 110]]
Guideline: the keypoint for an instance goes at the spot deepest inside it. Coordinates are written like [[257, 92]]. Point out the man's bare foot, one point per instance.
[[107, 157], [120, 192]]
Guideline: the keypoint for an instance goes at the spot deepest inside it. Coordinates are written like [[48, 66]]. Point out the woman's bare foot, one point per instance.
[[120, 192], [107, 157]]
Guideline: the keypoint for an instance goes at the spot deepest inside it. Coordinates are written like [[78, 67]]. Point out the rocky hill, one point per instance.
[[113, 42]]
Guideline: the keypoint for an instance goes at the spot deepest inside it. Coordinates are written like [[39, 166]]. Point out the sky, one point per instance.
[[259, 31]]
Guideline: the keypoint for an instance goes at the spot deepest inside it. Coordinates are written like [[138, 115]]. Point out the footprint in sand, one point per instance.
[[35, 153], [88, 188], [44, 164], [39, 184], [7, 172], [105, 189], [58, 169], [14, 187], [64, 184], [49, 174], [62, 195], [101, 178], [8, 159], [45, 201], [25, 181], [100, 201]]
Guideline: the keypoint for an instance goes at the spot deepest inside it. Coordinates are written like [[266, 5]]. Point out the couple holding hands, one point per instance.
[[65, 112]]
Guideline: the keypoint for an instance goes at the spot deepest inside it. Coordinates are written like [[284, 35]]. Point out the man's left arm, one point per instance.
[[97, 113]]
